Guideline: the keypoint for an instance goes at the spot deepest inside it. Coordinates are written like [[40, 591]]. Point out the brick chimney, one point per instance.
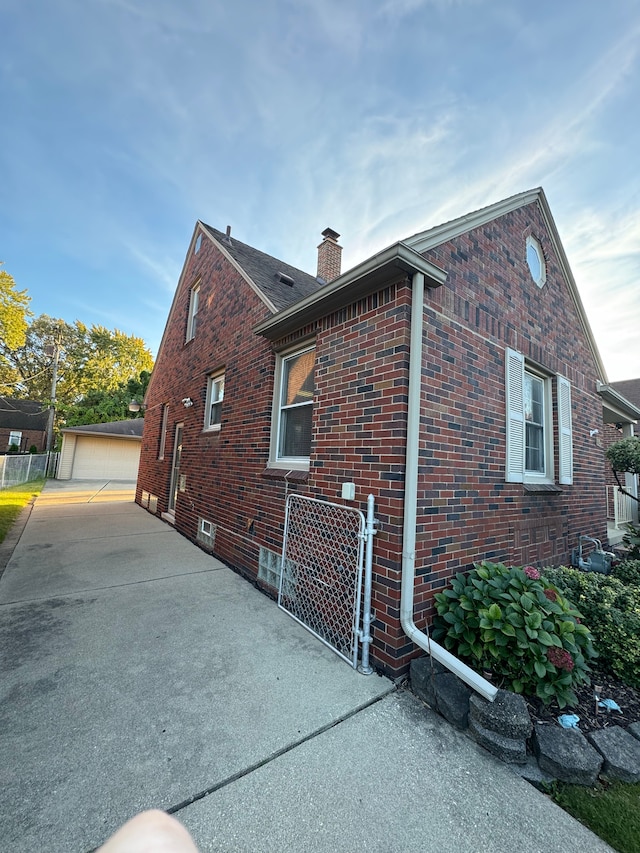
[[329, 256]]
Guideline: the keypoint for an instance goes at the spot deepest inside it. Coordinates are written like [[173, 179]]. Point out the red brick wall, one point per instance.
[[224, 470], [466, 509], [29, 438]]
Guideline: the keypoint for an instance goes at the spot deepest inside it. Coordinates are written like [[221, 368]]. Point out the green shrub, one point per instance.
[[631, 541], [628, 571], [611, 610], [514, 623]]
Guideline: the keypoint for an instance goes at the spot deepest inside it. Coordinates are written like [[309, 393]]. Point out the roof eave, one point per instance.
[[350, 286], [618, 404]]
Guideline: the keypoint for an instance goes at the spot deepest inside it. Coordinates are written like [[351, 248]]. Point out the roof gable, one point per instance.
[[263, 274], [425, 240]]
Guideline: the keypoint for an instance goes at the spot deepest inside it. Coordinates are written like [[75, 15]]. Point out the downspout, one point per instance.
[[421, 639]]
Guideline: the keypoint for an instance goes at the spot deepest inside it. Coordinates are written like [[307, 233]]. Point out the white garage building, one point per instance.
[[101, 451]]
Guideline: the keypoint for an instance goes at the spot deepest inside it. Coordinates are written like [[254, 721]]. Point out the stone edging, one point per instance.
[[504, 728]]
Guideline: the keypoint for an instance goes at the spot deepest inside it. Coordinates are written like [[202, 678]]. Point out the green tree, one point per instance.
[[14, 310], [624, 456], [89, 359], [30, 366], [102, 406]]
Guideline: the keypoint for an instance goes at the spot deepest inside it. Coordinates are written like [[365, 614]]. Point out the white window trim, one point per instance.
[[288, 463], [515, 369], [212, 379], [194, 307], [15, 437]]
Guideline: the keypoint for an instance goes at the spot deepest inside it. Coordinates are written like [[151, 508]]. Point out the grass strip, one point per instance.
[[611, 810], [13, 500]]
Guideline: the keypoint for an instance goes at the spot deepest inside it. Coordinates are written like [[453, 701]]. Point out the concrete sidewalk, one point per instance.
[[137, 672]]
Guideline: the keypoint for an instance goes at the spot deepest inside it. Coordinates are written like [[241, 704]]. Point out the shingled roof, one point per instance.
[[281, 283], [131, 428], [629, 388], [22, 414]]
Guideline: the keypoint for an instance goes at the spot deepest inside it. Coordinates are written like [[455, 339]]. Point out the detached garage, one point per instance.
[[101, 451]]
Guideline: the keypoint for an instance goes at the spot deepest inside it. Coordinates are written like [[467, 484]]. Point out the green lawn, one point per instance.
[[13, 499], [612, 811]]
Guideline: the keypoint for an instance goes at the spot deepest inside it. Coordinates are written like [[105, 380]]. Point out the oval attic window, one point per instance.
[[535, 260]]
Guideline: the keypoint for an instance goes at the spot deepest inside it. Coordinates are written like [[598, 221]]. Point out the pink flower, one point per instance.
[[560, 658], [551, 594], [532, 572]]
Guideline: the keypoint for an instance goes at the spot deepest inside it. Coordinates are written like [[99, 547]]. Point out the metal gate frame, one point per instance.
[[321, 573]]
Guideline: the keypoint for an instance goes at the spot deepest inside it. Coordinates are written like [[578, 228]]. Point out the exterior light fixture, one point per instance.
[[187, 402], [134, 406]]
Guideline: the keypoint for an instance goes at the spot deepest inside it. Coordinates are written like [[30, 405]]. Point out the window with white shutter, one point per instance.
[[529, 421], [565, 432]]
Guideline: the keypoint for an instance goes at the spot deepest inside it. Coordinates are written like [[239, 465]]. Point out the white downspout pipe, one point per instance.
[[464, 672]]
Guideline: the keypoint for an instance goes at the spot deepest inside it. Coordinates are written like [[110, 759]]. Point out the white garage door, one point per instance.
[[105, 458]]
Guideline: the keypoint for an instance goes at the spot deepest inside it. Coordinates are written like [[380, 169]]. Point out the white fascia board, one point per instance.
[[573, 287], [398, 255], [425, 240], [617, 403]]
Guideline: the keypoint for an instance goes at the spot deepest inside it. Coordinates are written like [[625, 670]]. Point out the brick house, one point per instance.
[[23, 424], [470, 419]]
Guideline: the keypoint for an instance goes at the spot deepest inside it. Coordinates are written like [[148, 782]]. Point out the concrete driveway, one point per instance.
[[137, 672]]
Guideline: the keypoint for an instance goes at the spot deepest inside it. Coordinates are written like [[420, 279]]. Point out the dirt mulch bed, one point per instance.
[[627, 698]]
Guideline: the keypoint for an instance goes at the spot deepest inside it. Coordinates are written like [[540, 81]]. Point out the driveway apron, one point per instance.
[[139, 671]]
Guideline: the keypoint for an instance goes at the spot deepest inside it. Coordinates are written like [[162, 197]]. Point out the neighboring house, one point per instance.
[[619, 423], [453, 375], [23, 424], [101, 451]]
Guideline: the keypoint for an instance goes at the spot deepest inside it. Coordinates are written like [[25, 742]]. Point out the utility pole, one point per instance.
[[54, 382]]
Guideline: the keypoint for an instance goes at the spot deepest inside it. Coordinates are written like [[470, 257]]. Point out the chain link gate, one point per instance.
[[321, 572]]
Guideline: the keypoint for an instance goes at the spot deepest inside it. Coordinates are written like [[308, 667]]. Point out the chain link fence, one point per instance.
[[23, 467], [321, 571]]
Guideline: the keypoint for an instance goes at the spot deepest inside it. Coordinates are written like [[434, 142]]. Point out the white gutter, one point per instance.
[[464, 672]]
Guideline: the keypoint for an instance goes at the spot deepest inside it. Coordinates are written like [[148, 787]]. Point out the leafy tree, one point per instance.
[[102, 406], [624, 456], [89, 360], [14, 310]]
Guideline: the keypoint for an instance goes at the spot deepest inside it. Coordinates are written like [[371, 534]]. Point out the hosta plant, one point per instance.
[[518, 625]]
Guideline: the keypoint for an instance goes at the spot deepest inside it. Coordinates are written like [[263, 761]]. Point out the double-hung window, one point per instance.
[[215, 395], [531, 448], [15, 438], [194, 303], [294, 406]]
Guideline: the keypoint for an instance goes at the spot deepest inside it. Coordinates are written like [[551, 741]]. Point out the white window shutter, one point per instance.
[[565, 432], [514, 381]]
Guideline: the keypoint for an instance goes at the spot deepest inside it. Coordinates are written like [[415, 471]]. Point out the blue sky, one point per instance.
[[124, 121]]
